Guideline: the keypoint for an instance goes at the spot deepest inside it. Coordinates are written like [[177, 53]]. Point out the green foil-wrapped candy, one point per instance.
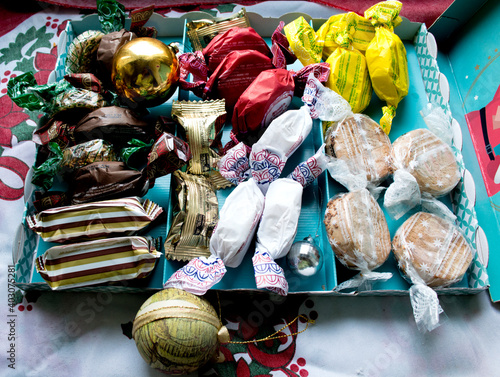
[[177, 332]]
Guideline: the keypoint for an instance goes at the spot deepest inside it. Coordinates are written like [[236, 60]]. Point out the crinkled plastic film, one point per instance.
[[359, 238], [422, 164], [431, 253]]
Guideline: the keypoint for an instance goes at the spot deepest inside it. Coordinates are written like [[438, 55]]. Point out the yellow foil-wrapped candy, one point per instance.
[[302, 40], [348, 69], [386, 58], [361, 38], [177, 332], [145, 72]]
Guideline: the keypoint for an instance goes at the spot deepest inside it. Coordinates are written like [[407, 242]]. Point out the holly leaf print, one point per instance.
[[38, 38]]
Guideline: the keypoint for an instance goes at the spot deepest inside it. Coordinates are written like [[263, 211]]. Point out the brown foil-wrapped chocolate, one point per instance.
[[201, 32], [202, 122], [114, 124], [110, 43], [106, 180], [168, 154], [195, 215], [232, 40]]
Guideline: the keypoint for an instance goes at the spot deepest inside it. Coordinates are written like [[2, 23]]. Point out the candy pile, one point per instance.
[[100, 153]]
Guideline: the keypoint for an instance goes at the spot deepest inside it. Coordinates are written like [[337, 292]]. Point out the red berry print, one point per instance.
[[29, 308], [21, 308]]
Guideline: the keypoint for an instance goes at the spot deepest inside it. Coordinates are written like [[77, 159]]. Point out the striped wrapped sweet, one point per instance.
[[96, 262], [123, 216]]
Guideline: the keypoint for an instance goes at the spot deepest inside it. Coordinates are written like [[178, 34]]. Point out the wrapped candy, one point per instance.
[[202, 32], [51, 98], [269, 96], [386, 59], [82, 52], [106, 180], [282, 137], [196, 213], [359, 236], [327, 34], [114, 124], [431, 252], [103, 261], [424, 168], [234, 39], [168, 154], [278, 225], [232, 70], [234, 165], [228, 244], [68, 160], [348, 69], [202, 123], [123, 216], [55, 130]]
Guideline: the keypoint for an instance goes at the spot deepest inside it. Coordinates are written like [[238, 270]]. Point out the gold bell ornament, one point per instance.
[[177, 332], [145, 72]]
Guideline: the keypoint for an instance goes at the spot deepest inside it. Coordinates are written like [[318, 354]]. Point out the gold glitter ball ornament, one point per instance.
[[177, 332], [145, 72]]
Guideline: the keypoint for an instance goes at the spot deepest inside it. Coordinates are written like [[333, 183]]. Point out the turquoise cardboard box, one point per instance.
[[433, 78]]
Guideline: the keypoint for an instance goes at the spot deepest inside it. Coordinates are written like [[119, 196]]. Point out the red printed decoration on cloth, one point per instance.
[[44, 64]]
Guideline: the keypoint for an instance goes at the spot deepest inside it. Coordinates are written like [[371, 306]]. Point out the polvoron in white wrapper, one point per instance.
[[283, 136], [278, 225], [238, 220], [431, 253]]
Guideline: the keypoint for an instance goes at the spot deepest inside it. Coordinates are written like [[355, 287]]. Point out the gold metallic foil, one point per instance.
[[194, 217]]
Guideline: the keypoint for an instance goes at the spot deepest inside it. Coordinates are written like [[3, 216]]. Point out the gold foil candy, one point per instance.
[[201, 32], [194, 217], [202, 122]]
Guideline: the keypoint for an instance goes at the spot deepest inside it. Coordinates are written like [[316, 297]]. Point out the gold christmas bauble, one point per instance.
[[145, 72], [177, 332]]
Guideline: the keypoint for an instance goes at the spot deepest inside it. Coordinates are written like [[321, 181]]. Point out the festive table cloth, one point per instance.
[[88, 334]]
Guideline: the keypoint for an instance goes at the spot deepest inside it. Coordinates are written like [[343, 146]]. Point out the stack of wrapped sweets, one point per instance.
[[364, 55], [357, 151], [97, 155], [256, 171]]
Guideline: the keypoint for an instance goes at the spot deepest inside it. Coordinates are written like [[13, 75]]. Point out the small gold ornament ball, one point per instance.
[[177, 332], [145, 71]]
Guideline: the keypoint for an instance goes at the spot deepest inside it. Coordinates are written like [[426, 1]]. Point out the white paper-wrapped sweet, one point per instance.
[[283, 136], [278, 225], [238, 221]]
